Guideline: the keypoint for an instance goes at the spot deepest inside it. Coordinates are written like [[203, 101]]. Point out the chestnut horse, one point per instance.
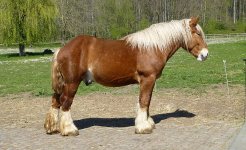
[[138, 58]]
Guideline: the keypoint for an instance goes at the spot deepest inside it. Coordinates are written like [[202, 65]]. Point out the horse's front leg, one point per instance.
[[67, 126], [143, 122]]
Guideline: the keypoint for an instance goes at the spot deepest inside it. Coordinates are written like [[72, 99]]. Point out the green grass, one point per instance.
[[184, 71], [20, 76], [25, 74]]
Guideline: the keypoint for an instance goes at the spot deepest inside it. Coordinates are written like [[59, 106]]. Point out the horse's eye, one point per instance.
[[198, 33]]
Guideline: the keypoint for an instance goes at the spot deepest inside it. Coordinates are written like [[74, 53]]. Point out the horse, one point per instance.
[[137, 58]]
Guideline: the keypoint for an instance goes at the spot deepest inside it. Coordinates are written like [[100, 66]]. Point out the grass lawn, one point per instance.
[[183, 70], [32, 73]]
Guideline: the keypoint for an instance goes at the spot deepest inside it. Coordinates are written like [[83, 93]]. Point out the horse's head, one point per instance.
[[197, 45]]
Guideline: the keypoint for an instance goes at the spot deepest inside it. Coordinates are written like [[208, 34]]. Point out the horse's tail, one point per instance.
[[57, 78]]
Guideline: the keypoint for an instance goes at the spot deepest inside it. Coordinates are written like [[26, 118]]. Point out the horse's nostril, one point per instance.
[[203, 55]]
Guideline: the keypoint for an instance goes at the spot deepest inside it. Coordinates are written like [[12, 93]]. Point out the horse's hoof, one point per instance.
[[71, 133], [151, 122], [52, 132], [51, 121], [144, 131], [144, 127], [50, 129], [75, 133], [153, 126]]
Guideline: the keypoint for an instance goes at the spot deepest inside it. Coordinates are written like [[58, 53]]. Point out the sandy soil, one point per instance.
[[185, 119]]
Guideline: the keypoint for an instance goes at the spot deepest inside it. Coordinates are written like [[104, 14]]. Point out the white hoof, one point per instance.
[[143, 128]]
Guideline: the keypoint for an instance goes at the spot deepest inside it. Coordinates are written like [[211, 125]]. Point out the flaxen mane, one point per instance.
[[161, 35]]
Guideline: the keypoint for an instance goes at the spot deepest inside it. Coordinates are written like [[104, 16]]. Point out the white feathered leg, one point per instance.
[[143, 123], [51, 124], [67, 126]]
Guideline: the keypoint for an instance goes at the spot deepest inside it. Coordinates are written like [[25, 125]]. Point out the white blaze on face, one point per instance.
[[203, 54]]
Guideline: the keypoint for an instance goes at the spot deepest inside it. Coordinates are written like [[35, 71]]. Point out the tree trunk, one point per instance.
[[22, 50], [234, 11]]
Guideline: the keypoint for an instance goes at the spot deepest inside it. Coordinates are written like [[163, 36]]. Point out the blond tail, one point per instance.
[[57, 78]]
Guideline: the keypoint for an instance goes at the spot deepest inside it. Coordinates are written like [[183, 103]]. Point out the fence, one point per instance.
[[225, 38]]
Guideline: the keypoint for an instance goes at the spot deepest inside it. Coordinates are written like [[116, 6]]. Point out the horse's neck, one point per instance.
[[170, 50]]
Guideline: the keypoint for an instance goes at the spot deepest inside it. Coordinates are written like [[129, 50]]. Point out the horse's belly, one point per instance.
[[117, 83], [114, 79]]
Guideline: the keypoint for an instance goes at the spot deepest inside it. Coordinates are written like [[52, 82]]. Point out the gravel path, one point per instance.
[[183, 121]]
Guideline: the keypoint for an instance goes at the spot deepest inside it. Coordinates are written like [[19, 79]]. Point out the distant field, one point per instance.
[[32, 73]]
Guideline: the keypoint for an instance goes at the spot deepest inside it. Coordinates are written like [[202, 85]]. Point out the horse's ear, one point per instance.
[[197, 18], [194, 21]]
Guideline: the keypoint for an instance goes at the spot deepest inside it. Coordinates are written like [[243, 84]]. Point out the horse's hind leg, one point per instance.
[[51, 121], [67, 126], [143, 122]]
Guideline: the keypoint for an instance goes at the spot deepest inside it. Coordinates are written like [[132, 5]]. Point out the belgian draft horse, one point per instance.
[[138, 58]]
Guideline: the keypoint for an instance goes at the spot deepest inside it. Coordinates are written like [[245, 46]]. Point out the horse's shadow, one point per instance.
[[126, 122]]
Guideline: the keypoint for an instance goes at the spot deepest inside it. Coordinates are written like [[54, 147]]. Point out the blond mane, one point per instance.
[[162, 35]]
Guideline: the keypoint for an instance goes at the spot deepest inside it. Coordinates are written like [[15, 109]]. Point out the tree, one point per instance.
[[234, 11], [27, 21], [111, 18]]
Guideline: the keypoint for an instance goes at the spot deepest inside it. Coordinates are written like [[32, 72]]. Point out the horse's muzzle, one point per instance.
[[203, 54]]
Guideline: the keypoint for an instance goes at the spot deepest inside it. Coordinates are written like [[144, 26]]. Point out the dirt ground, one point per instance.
[[185, 119]]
